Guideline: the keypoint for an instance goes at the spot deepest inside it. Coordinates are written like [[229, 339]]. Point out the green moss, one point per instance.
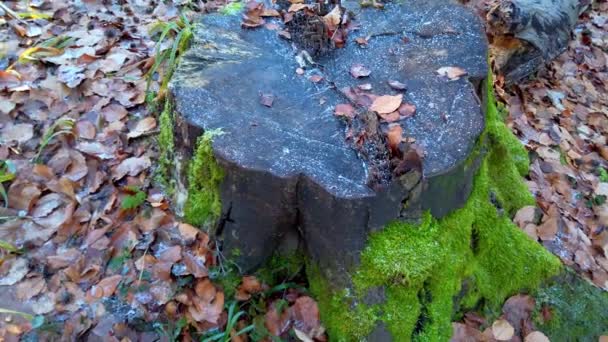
[[281, 268], [423, 268], [203, 205], [574, 309], [166, 144], [345, 320]]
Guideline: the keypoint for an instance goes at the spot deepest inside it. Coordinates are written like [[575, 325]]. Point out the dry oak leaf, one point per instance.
[[536, 336], [142, 127], [187, 232], [131, 166], [345, 109], [525, 215], [19, 268], [394, 135], [305, 316], [452, 73], [548, 229], [359, 70], [397, 85], [109, 284], [19, 133], [207, 304], [386, 104], [502, 330]]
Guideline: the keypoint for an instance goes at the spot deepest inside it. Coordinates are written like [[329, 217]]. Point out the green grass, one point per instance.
[[180, 31]]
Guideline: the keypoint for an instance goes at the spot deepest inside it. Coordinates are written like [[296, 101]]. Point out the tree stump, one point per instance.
[[292, 168], [526, 34]]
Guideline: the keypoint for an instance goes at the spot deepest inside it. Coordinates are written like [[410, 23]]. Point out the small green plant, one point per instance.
[[232, 8], [7, 173], [233, 319], [118, 261], [603, 175], [60, 127], [135, 198], [8, 247], [181, 31], [171, 330], [35, 321]]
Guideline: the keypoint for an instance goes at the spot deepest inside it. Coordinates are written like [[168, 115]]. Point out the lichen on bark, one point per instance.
[[422, 268]]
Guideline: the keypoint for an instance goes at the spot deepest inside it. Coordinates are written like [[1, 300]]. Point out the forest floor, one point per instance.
[[89, 244]]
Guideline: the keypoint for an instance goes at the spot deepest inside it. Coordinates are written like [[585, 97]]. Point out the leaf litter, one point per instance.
[[86, 237]]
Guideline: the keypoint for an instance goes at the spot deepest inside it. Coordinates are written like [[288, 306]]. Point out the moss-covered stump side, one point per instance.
[[414, 278]]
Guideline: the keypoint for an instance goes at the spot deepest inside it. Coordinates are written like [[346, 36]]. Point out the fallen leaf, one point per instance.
[[19, 132], [407, 110], [302, 335], [188, 232], [502, 330], [333, 18], [305, 315], [359, 70], [537, 336], [19, 268], [85, 129], [362, 41], [114, 112], [142, 127], [297, 7], [386, 104], [315, 78], [365, 86], [109, 284], [70, 75], [397, 85], [345, 109], [525, 215], [548, 229], [267, 99], [131, 166], [395, 134], [453, 73]]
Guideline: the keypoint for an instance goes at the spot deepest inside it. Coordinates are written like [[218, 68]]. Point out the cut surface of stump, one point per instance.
[[294, 168]]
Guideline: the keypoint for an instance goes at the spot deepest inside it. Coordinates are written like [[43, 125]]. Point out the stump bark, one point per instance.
[[293, 168]]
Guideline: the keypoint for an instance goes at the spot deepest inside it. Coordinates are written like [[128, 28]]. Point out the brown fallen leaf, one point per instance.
[[397, 85], [305, 316], [143, 126], [362, 41], [525, 215], [188, 232], [131, 166], [502, 330], [345, 109], [315, 78], [207, 304], [109, 284], [464, 333], [359, 70], [386, 104], [114, 112], [85, 129], [17, 132], [452, 73], [394, 135], [407, 110], [548, 228], [537, 336], [267, 100]]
